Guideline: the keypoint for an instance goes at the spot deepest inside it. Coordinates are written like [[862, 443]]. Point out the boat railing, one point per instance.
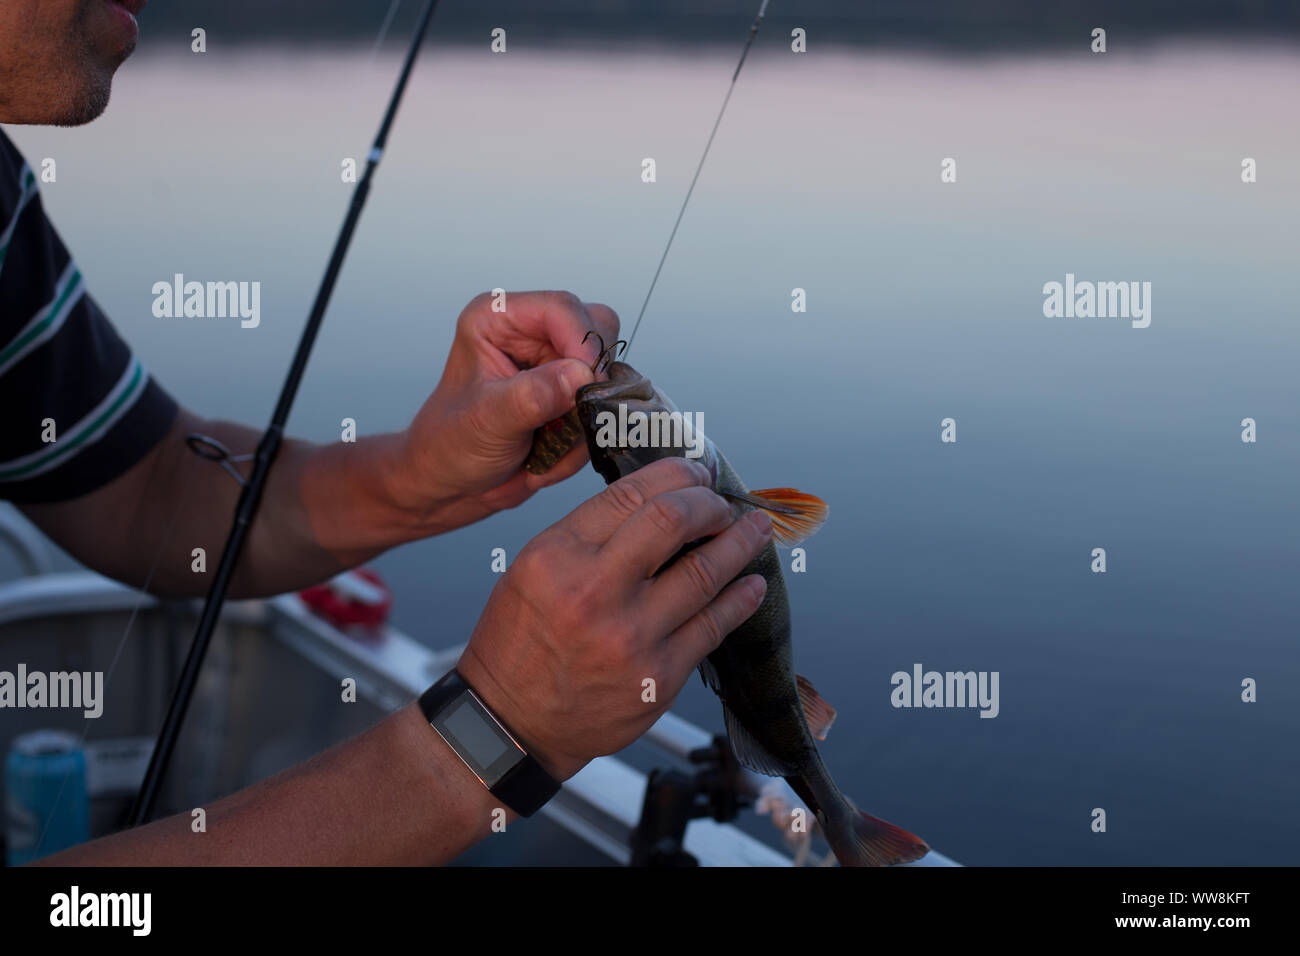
[[600, 805]]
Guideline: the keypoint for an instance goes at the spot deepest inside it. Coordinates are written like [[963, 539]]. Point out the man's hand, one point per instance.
[[330, 507], [581, 619], [508, 374], [560, 653]]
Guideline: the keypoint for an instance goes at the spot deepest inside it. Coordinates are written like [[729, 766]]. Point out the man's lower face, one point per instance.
[[57, 57]]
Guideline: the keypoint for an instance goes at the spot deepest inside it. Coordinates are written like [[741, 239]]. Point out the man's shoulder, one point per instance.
[[80, 409], [18, 190], [15, 175], [28, 246]]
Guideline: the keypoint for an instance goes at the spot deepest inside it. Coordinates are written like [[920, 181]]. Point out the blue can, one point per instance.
[[45, 793]]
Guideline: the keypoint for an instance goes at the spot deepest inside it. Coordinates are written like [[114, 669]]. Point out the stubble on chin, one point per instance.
[[87, 85], [74, 95], [83, 101]]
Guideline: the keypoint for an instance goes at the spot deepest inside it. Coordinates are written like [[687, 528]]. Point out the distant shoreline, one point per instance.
[[947, 26]]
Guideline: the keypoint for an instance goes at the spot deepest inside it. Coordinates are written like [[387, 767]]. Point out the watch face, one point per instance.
[[479, 740]]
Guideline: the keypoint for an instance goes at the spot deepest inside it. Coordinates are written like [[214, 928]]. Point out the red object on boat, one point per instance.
[[345, 601]]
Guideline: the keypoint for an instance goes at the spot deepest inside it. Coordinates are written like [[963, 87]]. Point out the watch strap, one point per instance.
[[526, 786]]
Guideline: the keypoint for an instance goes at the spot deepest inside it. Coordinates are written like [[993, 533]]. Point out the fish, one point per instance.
[[773, 716]]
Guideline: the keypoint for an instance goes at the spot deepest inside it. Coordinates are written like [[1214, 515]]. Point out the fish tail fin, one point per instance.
[[857, 838], [877, 843]]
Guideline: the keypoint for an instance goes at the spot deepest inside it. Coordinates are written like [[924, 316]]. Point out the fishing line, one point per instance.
[[753, 32], [250, 496], [383, 30], [268, 446]]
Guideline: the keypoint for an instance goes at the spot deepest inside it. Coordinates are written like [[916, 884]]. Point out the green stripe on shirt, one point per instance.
[[84, 432], [47, 321]]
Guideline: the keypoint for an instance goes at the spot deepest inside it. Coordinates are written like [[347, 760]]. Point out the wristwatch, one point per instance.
[[486, 746]]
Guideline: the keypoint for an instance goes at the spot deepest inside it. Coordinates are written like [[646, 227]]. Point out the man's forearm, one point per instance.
[[395, 795], [325, 508]]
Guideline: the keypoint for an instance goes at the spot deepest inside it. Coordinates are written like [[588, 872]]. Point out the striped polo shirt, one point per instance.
[[76, 407]]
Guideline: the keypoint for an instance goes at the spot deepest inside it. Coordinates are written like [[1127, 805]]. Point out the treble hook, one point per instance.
[[603, 356], [213, 450], [599, 338], [616, 350]]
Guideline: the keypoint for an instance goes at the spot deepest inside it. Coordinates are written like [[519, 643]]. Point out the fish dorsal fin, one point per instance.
[[749, 752], [709, 674], [795, 515], [819, 714]]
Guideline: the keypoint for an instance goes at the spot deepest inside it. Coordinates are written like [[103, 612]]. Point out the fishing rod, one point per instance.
[[269, 445]]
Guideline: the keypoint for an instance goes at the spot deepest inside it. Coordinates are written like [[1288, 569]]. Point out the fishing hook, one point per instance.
[[603, 357], [618, 348], [268, 447]]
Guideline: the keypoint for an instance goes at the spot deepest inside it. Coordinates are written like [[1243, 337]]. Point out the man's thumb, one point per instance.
[[536, 396]]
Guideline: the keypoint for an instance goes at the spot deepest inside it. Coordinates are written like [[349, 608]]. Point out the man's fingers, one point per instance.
[[605, 319], [701, 635], [596, 519], [697, 576], [660, 527], [538, 327], [531, 398]]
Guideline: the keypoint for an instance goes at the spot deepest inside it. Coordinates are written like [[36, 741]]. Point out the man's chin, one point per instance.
[[85, 111], [82, 101], [72, 93]]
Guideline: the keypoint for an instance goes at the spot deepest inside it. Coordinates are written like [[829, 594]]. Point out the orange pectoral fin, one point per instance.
[[795, 515]]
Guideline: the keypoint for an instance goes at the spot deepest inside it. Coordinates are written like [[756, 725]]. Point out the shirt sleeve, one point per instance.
[[77, 407]]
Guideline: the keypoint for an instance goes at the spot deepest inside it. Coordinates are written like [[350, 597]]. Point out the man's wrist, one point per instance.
[[361, 499], [449, 785], [559, 765], [417, 501]]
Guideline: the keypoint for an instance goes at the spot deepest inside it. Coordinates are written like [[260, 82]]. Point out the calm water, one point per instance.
[[1119, 690]]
